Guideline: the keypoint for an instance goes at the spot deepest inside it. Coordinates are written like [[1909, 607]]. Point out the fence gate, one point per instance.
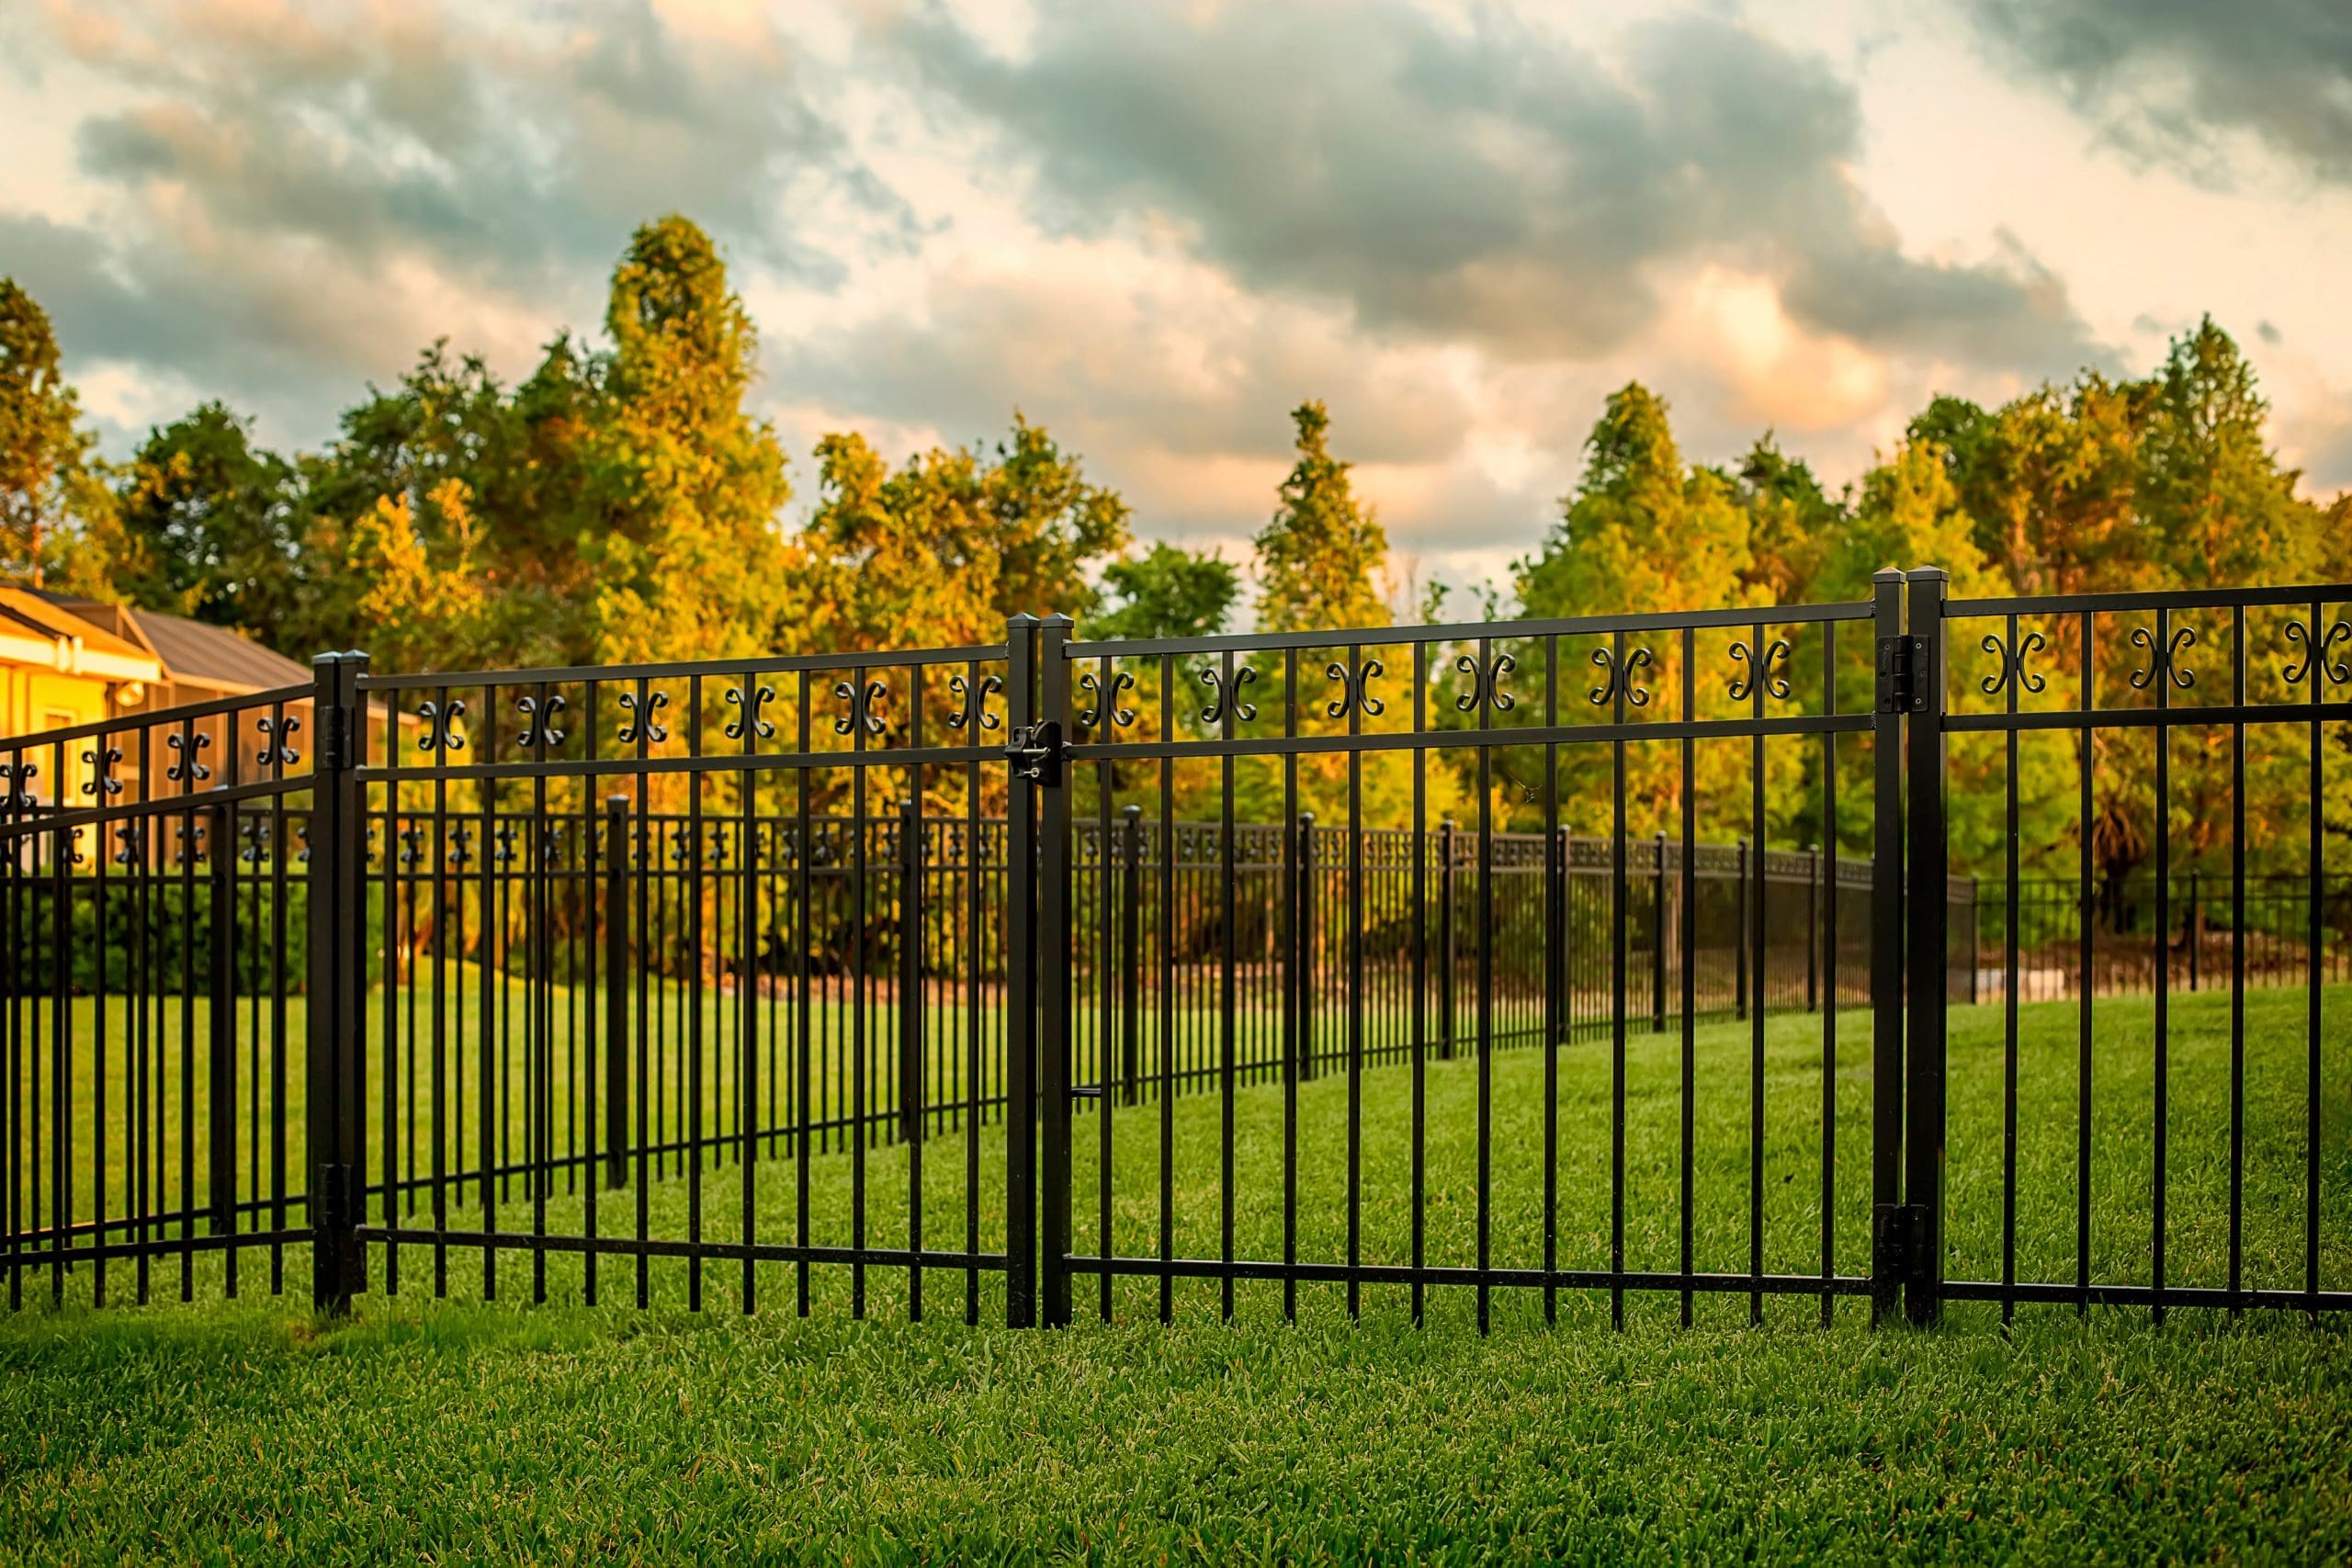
[[1451, 969], [1388, 1006]]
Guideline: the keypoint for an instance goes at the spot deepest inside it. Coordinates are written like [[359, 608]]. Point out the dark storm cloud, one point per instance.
[[2168, 78], [1484, 181]]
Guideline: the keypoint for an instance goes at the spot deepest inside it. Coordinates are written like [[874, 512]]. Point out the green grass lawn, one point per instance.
[[474, 1431]]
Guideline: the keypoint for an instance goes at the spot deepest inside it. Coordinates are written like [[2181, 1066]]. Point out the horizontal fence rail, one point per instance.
[[1481, 964]]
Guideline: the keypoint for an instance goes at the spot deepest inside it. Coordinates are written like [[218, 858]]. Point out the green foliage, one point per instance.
[[56, 523], [1168, 591], [210, 524], [1317, 558], [939, 553]]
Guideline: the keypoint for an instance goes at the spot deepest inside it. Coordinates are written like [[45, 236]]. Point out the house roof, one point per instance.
[[194, 652], [36, 629]]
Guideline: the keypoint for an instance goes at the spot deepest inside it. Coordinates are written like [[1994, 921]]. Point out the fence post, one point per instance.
[[1053, 949], [616, 968], [1020, 976], [1305, 1067], [1131, 980], [1657, 945], [1739, 969], [1927, 947], [1447, 961], [337, 929], [1888, 1228], [911, 858], [220, 867]]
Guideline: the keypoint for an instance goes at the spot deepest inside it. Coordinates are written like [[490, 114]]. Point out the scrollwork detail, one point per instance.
[[2010, 663], [2163, 664]]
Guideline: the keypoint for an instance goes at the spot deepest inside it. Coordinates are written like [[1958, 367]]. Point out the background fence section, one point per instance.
[[153, 913]]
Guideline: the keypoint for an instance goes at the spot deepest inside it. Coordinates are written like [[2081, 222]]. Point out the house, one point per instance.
[[68, 661], [59, 669]]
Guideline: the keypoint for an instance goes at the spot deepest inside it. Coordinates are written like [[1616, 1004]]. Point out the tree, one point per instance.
[[211, 522], [686, 486], [49, 492], [1317, 558], [1168, 591], [943, 551]]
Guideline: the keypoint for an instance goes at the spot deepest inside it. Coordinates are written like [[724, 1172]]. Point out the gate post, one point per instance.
[[1888, 1223], [1053, 948], [1019, 977], [1927, 946], [337, 929]]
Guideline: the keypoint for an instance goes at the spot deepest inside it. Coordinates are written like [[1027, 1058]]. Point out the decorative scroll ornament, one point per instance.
[[2315, 644], [133, 844], [102, 782], [1485, 683], [758, 699], [276, 734], [971, 707], [1224, 697], [1353, 691], [303, 837], [439, 719], [1613, 676], [256, 833], [461, 839], [411, 840], [1766, 669], [861, 700], [2011, 666], [73, 855], [16, 775], [504, 837], [641, 725], [1092, 718], [539, 732], [2163, 664], [185, 745], [187, 839]]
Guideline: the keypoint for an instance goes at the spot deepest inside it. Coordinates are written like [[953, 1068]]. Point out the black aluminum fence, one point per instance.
[[2214, 926], [661, 969]]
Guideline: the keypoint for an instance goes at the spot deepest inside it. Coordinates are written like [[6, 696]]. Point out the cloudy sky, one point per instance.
[[1155, 228]]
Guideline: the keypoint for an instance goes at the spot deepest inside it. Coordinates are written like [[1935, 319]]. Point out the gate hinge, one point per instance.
[[1899, 660], [1900, 1243], [335, 731], [1035, 753]]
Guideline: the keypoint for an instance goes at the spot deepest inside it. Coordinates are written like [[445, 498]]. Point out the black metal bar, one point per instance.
[[1925, 943], [335, 1119], [1021, 1000], [1054, 952], [1887, 967], [221, 987], [2238, 959], [617, 974], [2159, 668]]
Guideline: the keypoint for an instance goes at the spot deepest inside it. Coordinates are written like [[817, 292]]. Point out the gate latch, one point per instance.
[[1035, 753], [1900, 660]]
